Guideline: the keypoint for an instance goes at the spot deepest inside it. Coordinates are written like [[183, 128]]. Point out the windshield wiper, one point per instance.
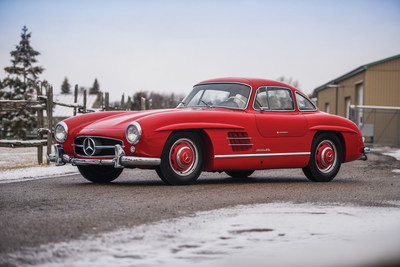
[[204, 102]]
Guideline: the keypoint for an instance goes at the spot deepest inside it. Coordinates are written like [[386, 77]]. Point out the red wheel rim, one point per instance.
[[183, 156], [326, 156]]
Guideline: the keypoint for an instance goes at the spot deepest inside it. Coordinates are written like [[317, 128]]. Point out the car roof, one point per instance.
[[253, 82]]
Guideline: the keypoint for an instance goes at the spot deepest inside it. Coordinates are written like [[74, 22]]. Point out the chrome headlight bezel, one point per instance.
[[62, 129], [135, 129]]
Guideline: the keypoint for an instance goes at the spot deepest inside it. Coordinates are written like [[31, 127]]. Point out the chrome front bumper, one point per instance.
[[119, 161]]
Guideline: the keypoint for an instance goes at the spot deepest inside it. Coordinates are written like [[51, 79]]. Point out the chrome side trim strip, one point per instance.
[[241, 144], [261, 155]]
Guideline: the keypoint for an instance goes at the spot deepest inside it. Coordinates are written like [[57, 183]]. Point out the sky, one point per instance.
[[168, 46]]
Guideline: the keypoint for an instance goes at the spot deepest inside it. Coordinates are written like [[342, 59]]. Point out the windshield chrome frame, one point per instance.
[[244, 108]]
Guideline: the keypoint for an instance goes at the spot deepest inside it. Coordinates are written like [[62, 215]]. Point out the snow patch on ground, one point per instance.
[[395, 153], [278, 234], [396, 170], [34, 173]]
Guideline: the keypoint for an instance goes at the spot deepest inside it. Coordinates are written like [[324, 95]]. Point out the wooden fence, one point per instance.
[[45, 102]]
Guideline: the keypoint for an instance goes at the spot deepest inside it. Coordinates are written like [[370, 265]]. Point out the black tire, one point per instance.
[[325, 159], [182, 159], [160, 174], [99, 174], [240, 174]]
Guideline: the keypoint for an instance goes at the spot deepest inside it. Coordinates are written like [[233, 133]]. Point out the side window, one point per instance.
[[280, 99], [261, 100], [304, 104]]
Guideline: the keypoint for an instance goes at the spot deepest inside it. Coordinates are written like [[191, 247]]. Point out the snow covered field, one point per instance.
[[34, 173], [276, 234], [20, 157], [20, 164]]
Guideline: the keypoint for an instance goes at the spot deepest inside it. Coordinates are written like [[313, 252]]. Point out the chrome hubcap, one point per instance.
[[183, 156], [326, 156]]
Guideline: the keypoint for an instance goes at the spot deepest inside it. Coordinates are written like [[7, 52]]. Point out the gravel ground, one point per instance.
[[67, 208]]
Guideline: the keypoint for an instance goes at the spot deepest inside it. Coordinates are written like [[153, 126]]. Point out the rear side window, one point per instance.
[[304, 104], [274, 99]]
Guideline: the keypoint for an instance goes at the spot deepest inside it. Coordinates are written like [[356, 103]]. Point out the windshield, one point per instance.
[[226, 95]]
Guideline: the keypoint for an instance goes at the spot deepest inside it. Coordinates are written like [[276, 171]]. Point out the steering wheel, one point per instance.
[[235, 97]]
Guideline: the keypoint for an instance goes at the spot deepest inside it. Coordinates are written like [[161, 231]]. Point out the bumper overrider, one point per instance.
[[119, 161]]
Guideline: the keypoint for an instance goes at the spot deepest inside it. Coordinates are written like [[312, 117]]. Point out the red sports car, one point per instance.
[[235, 125]]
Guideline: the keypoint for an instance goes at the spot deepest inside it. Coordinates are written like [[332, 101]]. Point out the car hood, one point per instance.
[[121, 120]]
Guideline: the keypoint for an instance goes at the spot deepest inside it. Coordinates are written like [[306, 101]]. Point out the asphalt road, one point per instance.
[[60, 209]]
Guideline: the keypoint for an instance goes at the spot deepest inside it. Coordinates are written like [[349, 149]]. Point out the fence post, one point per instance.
[[100, 100], [49, 119], [142, 103], [84, 101], [75, 99], [40, 126], [123, 101], [128, 104], [107, 101]]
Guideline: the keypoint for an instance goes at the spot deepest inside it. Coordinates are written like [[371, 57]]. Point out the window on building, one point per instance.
[[327, 108]]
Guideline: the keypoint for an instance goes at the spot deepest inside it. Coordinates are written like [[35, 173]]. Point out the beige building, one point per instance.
[[374, 84]]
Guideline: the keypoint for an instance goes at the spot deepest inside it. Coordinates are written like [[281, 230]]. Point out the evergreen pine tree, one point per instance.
[[65, 87], [20, 83], [95, 89]]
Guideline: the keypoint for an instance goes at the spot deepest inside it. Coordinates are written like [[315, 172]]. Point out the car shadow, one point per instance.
[[224, 180]]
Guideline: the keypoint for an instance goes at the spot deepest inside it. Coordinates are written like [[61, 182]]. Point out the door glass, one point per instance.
[[280, 99]]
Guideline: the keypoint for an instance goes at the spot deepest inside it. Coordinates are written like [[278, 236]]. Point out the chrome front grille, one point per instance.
[[95, 146]]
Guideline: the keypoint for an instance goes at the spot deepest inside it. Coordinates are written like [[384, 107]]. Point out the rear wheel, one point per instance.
[[182, 159], [99, 174], [325, 159], [239, 174]]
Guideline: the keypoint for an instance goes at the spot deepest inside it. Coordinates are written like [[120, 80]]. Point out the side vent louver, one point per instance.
[[239, 141]]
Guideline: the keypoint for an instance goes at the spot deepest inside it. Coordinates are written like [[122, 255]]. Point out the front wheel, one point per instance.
[[182, 159], [99, 174], [325, 159]]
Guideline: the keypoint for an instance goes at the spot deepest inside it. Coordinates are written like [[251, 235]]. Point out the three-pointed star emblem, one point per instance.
[[89, 147]]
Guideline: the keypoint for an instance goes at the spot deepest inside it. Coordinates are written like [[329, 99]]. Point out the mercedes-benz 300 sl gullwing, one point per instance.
[[231, 125]]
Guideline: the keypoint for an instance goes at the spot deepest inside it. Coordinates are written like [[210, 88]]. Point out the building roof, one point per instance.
[[353, 72]]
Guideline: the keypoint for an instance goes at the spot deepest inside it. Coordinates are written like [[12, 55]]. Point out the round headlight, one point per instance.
[[61, 132], [133, 133]]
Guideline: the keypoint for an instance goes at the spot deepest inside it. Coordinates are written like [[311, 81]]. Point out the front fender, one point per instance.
[[198, 125]]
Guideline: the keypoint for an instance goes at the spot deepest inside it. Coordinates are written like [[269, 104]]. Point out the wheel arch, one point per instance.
[[207, 145]]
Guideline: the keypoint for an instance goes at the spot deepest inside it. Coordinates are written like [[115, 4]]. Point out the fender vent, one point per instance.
[[239, 141]]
